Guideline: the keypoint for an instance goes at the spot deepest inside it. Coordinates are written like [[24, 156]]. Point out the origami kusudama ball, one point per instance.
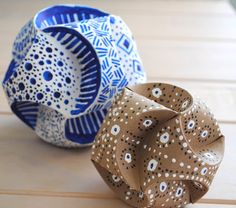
[[158, 146], [68, 64]]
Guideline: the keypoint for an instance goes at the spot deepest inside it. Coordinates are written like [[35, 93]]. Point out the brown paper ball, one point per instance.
[[158, 146]]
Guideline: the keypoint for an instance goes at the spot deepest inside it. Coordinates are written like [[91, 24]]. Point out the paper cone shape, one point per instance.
[[158, 146]]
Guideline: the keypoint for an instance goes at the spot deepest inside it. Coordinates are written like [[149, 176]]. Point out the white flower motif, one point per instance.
[[164, 138], [204, 134], [115, 129], [198, 184], [204, 171], [156, 92], [152, 165], [191, 124], [128, 157], [115, 178], [184, 104], [179, 192], [140, 194], [147, 122], [209, 155], [163, 186]]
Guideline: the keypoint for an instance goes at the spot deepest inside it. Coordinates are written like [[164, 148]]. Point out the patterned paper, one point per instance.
[[68, 63], [158, 146]]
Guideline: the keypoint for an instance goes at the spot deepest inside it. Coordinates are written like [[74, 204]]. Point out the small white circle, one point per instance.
[[181, 164], [115, 129], [115, 112], [164, 138], [191, 124], [103, 137], [156, 92], [128, 157], [163, 186], [204, 171], [115, 178], [147, 123], [179, 192], [152, 165], [181, 137], [204, 134], [185, 144]]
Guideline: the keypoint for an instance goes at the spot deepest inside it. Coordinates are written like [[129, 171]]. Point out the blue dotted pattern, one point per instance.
[[71, 60]]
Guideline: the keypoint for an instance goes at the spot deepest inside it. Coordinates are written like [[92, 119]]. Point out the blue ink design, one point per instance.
[[28, 66], [67, 65], [47, 75]]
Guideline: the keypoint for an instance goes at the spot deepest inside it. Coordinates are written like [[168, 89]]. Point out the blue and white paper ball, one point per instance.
[[68, 63]]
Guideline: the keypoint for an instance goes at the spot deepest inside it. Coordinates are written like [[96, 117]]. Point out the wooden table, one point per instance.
[[189, 43]]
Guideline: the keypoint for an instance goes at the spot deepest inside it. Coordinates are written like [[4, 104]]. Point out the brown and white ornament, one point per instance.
[[158, 146]]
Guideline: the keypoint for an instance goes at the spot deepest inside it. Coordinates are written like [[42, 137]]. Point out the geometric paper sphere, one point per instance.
[[158, 146], [68, 63]]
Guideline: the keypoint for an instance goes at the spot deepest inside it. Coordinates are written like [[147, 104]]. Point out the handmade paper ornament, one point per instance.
[[68, 63], [158, 146]]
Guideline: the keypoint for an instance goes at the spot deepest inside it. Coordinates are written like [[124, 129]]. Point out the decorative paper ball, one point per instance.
[[68, 64], [158, 146]]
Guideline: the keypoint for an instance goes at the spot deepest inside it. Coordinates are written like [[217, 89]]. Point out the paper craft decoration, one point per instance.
[[158, 146], [68, 63]]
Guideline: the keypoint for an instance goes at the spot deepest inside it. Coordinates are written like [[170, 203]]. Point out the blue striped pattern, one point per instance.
[[83, 129], [10, 71], [68, 14], [23, 42], [113, 78], [27, 112], [86, 56]]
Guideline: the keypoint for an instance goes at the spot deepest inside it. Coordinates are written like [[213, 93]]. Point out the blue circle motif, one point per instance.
[[21, 86], [39, 96], [28, 66], [47, 75]]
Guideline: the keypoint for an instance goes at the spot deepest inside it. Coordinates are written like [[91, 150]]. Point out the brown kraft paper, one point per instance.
[[158, 146]]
